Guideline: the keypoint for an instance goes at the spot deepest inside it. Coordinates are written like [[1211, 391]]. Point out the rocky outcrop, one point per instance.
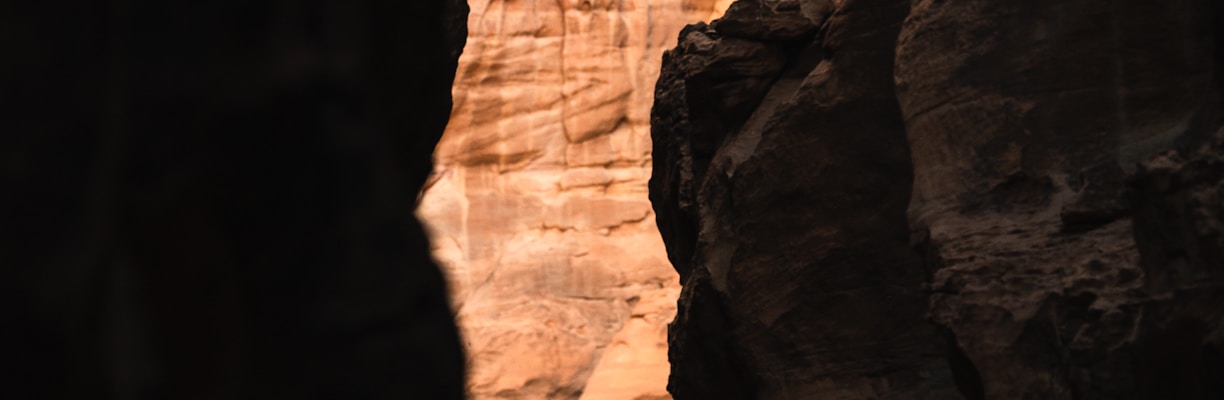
[[781, 181], [206, 201], [1049, 162], [538, 208], [1028, 220]]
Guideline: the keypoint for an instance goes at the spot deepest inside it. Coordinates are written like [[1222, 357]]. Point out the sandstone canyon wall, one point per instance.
[[211, 200], [945, 199], [538, 207]]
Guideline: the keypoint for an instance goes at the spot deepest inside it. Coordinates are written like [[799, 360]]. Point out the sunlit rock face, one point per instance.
[[538, 207]]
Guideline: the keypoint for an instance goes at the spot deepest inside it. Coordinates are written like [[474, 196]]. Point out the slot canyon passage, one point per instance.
[[800, 199], [538, 206], [863, 199]]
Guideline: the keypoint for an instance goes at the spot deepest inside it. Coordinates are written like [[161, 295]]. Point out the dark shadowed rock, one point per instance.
[[213, 200], [781, 182], [1179, 231], [1025, 121], [773, 19], [1051, 161]]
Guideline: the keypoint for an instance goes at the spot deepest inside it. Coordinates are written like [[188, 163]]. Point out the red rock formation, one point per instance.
[[538, 208], [1063, 260]]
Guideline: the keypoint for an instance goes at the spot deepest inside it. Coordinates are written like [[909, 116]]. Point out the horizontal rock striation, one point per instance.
[[892, 199], [538, 207]]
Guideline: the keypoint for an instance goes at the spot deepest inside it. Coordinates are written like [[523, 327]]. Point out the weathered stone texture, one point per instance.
[[538, 206], [781, 182], [1025, 122], [1051, 162]]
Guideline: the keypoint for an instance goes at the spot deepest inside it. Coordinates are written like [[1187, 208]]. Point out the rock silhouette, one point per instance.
[[213, 200]]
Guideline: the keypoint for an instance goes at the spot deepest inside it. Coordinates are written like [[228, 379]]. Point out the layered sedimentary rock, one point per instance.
[[538, 206], [895, 199], [212, 200]]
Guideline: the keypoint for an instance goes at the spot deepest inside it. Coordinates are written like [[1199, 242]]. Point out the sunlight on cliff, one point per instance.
[[538, 208]]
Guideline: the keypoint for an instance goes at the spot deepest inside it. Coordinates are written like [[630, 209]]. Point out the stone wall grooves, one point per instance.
[[538, 207]]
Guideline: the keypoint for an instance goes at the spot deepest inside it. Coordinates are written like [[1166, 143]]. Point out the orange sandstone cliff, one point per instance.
[[538, 206]]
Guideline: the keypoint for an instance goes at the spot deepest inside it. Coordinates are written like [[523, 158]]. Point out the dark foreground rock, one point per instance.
[[945, 199], [781, 181], [213, 200]]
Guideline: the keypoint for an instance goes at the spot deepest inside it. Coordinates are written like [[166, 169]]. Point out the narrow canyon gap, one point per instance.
[[860, 199], [538, 207]]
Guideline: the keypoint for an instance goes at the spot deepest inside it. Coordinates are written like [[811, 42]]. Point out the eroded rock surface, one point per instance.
[[1052, 164], [1025, 122], [781, 182], [538, 207]]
